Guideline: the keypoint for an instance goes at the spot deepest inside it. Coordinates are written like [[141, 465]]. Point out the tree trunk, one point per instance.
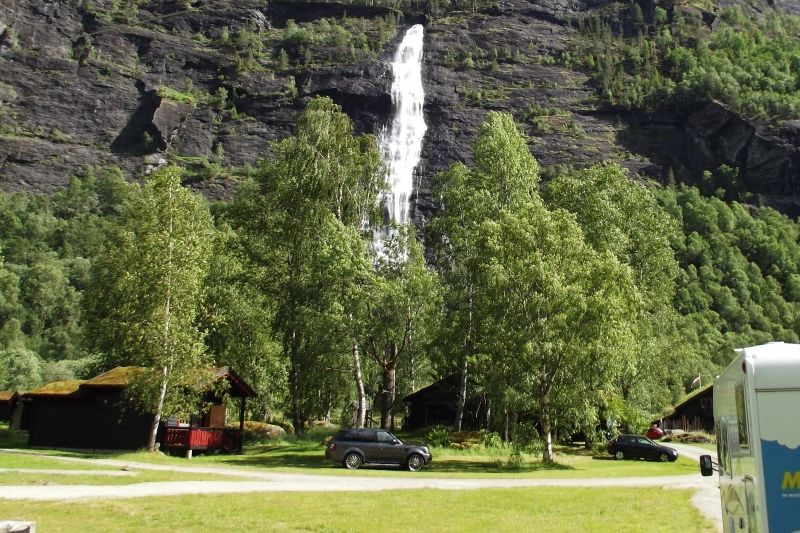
[[544, 406], [462, 391], [151, 442], [387, 394], [506, 436], [361, 407], [294, 385], [462, 394], [488, 414]]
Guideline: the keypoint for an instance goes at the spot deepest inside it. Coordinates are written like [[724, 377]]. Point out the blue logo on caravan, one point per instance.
[[782, 486]]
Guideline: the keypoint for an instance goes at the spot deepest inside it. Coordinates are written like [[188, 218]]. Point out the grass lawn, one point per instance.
[[513, 510], [144, 476], [20, 460], [308, 457], [26, 461]]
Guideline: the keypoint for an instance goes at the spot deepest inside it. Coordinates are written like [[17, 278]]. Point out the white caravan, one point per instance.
[[757, 418]]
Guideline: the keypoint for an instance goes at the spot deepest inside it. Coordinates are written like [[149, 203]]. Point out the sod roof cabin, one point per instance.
[[91, 414], [693, 413], [436, 405], [8, 401]]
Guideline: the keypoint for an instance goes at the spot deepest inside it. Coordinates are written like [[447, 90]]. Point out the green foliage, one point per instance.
[[525, 287], [143, 303], [439, 436], [738, 280], [297, 225], [191, 96], [492, 439], [20, 369], [430, 7], [47, 245], [749, 63]]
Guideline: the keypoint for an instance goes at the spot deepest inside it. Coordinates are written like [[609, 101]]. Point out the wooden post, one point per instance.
[[241, 424]]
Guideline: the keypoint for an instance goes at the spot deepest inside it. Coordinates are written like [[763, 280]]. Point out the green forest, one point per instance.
[[671, 59], [574, 300]]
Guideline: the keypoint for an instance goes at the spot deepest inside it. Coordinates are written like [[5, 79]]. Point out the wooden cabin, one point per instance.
[[694, 413], [91, 414], [436, 405], [209, 430], [8, 401]]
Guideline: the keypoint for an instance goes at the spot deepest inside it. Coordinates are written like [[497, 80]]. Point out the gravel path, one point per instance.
[[706, 497]]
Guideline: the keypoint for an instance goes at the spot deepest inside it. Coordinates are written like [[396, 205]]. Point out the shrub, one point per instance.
[[257, 431], [493, 439], [439, 436]]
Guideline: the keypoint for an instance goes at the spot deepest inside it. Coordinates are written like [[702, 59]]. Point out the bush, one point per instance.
[[492, 439], [526, 438], [258, 431], [439, 436]]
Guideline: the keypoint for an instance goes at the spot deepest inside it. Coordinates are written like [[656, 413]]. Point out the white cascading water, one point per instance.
[[401, 144]]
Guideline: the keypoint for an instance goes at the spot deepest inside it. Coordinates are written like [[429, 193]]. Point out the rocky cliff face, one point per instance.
[[209, 86]]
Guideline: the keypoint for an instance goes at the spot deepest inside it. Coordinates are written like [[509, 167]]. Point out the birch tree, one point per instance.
[[319, 186], [147, 290], [504, 174]]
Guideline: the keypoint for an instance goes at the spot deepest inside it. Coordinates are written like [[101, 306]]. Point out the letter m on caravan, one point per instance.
[[791, 481]]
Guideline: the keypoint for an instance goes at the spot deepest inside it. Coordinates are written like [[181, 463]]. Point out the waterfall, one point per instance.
[[401, 144]]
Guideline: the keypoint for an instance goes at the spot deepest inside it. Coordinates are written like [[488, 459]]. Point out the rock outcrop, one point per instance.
[[209, 86]]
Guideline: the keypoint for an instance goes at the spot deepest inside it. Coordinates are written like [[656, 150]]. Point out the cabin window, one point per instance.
[[741, 418]]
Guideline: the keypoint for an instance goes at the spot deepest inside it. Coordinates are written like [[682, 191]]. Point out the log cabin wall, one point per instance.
[[95, 420]]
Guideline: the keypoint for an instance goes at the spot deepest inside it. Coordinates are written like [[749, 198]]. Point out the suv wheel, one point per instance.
[[352, 461], [415, 462], [620, 454]]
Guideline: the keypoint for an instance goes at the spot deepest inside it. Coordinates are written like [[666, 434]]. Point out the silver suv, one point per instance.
[[355, 447]]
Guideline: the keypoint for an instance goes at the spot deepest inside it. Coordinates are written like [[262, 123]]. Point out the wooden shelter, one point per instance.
[[8, 401], [209, 431], [694, 413], [91, 414], [436, 404]]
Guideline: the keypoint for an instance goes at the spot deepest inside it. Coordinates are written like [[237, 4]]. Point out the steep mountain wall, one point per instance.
[[209, 86]]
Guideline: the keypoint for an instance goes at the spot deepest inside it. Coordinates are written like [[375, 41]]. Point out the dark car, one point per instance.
[[355, 447], [638, 447]]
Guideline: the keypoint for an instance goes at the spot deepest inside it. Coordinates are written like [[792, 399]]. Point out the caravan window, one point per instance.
[[741, 418]]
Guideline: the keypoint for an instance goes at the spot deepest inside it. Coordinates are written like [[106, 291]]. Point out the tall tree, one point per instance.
[[554, 310], [504, 173], [319, 182], [147, 289], [562, 307], [620, 216], [402, 305], [235, 315]]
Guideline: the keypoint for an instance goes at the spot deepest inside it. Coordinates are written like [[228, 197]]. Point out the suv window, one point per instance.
[[384, 437], [367, 436]]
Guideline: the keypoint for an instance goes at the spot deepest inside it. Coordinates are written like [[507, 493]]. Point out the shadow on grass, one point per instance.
[[12, 439], [496, 467], [312, 456]]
